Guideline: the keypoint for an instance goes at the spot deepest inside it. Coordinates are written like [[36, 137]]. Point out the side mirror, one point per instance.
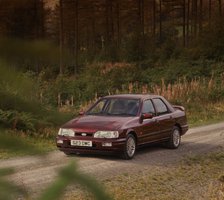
[[81, 113], [146, 116]]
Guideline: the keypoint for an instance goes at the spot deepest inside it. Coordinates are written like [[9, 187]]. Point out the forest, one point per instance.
[[59, 56], [65, 54]]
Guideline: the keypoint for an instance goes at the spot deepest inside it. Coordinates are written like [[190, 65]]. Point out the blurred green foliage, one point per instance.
[[67, 176], [8, 190], [20, 109], [35, 55], [12, 143], [19, 104]]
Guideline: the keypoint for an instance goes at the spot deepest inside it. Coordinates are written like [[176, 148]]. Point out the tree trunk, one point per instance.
[[220, 8], [184, 23], [154, 19], [93, 28], [61, 35], [42, 28], [160, 20], [188, 21], [200, 16], [118, 23], [210, 12], [142, 18], [76, 35], [195, 16], [109, 22]]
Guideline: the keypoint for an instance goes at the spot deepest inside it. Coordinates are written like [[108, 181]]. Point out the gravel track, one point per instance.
[[35, 173]]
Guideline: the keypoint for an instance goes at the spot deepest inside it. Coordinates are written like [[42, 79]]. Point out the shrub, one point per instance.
[[17, 120]]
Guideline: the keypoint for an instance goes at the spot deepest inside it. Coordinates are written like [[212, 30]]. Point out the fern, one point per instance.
[[17, 120]]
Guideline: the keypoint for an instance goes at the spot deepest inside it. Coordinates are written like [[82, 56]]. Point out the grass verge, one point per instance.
[[205, 114], [42, 143], [196, 178]]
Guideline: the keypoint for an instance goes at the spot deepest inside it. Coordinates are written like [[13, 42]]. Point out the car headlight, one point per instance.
[[106, 134], [66, 132]]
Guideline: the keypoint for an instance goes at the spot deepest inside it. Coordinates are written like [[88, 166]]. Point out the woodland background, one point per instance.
[[63, 55]]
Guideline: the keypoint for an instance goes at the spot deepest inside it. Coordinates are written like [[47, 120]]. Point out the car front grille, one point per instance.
[[84, 134]]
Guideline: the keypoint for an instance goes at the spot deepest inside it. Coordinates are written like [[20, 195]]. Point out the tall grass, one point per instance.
[[182, 90], [203, 98]]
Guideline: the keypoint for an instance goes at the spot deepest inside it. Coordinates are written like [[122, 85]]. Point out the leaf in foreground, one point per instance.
[[8, 190], [70, 175], [15, 144]]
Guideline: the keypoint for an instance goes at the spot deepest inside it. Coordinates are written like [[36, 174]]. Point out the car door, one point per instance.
[[149, 128], [164, 118]]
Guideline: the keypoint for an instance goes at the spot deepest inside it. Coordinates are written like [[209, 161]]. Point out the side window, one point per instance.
[[148, 107], [160, 106]]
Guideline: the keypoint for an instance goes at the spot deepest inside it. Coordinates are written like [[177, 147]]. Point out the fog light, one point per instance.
[[107, 144], [60, 141]]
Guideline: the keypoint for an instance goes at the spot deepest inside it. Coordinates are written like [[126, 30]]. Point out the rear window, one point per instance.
[[160, 106]]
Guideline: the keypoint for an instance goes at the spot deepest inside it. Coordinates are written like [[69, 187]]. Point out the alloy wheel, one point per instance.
[[176, 137], [131, 146]]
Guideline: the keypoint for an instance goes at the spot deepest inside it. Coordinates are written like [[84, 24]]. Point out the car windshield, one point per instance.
[[115, 106]]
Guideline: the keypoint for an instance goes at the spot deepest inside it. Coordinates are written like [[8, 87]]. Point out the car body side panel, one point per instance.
[[181, 120], [147, 131], [166, 123]]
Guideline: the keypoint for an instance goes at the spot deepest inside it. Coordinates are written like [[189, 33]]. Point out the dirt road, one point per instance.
[[35, 173]]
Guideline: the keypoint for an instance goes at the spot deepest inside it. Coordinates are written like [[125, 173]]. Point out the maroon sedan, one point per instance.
[[121, 123]]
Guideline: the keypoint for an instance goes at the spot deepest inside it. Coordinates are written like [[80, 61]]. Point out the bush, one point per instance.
[[17, 120]]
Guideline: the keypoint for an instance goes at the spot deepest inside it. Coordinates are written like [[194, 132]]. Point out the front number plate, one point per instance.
[[81, 143]]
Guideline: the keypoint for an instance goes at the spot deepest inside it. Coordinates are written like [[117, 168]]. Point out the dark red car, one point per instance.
[[121, 123]]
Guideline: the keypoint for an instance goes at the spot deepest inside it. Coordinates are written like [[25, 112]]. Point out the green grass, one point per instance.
[[204, 114], [43, 144], [198, 177]]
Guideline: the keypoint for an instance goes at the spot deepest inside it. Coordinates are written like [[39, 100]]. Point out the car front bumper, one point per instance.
[[98, 145]]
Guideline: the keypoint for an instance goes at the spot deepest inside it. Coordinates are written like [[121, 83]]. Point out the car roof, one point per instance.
[[133, 96]]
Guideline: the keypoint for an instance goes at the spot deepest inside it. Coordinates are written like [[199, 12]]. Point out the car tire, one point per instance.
[[67, 153], [175, 138], [130, 147]]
